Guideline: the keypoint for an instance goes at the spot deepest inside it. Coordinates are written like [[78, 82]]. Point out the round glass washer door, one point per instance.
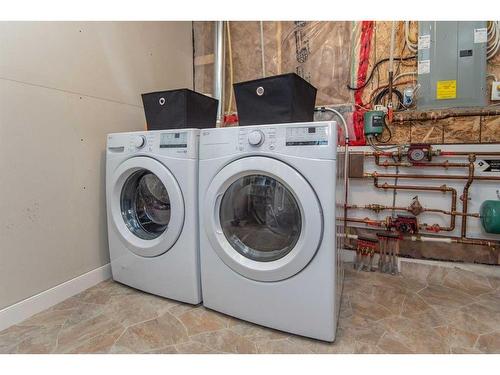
[[262, 218], [146, 205]]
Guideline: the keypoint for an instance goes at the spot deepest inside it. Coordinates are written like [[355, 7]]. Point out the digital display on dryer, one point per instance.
[[173, 140]]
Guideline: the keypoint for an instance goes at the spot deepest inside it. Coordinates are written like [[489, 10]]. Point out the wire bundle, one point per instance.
[[411, 44], [493, 39]]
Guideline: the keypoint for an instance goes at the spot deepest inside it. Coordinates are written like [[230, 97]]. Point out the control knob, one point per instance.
[[139, 141], [256, 138]]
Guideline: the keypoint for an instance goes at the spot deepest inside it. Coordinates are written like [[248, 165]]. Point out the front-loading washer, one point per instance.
[[152, 211], [271, 225]]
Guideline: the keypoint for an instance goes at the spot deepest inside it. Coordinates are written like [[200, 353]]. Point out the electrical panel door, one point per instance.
[[451, 64]]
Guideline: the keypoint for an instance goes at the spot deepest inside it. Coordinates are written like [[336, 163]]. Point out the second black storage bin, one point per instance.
[[179, 109], [273, 100]]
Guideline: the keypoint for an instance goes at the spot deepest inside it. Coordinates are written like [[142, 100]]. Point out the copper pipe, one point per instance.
[[408, 116], [434, 153], [446, 164], [473, 241], [477, 153], [377, 208], [442, 188], [367, 221], [465, 194], [430, 176], [457, 213], [466, 241]]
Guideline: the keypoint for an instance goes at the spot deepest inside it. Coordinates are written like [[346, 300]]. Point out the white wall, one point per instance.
[[63, 87]]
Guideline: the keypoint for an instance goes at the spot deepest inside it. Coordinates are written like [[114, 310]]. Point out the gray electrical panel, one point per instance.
[[451, 64]]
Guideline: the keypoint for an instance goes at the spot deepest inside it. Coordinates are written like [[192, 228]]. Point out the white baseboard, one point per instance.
[[30, 306]]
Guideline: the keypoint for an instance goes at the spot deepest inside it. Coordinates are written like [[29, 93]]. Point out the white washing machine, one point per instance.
[[152, 209], [268, 239]]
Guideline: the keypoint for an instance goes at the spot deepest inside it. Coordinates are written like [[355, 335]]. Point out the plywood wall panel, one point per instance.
[[490, 129], [431, 132], [462, 130], [401, 134]]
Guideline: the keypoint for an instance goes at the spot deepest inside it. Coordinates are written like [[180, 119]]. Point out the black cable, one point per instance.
[[378, 98], [390, 134], [377, 64]]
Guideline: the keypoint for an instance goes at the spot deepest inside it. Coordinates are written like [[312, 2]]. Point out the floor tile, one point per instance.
[[489, 343], [200, 320], [76, 335], [445, 296], [153, 334], [225, 341], [423, 310]]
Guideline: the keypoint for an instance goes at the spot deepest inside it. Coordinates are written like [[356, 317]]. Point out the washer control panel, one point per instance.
[[305, 140], [306, 136], [173, 140], [252, 139], [137, 143]]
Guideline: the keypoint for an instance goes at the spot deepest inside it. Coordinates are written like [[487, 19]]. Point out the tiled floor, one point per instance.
[[428, 310]]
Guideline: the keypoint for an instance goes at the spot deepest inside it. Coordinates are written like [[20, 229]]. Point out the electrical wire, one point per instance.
[[491, 75], [412, 45], [493, 40], [376, 66], [377, 147], [378, 98], [401, 75], [388, 138], [372, 95]]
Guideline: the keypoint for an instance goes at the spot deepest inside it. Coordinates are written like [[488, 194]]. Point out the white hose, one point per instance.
[[346, 160], [411, 46]]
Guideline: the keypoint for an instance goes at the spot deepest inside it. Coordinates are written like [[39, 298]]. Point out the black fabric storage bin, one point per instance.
[[179, 109], [274, 100]]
